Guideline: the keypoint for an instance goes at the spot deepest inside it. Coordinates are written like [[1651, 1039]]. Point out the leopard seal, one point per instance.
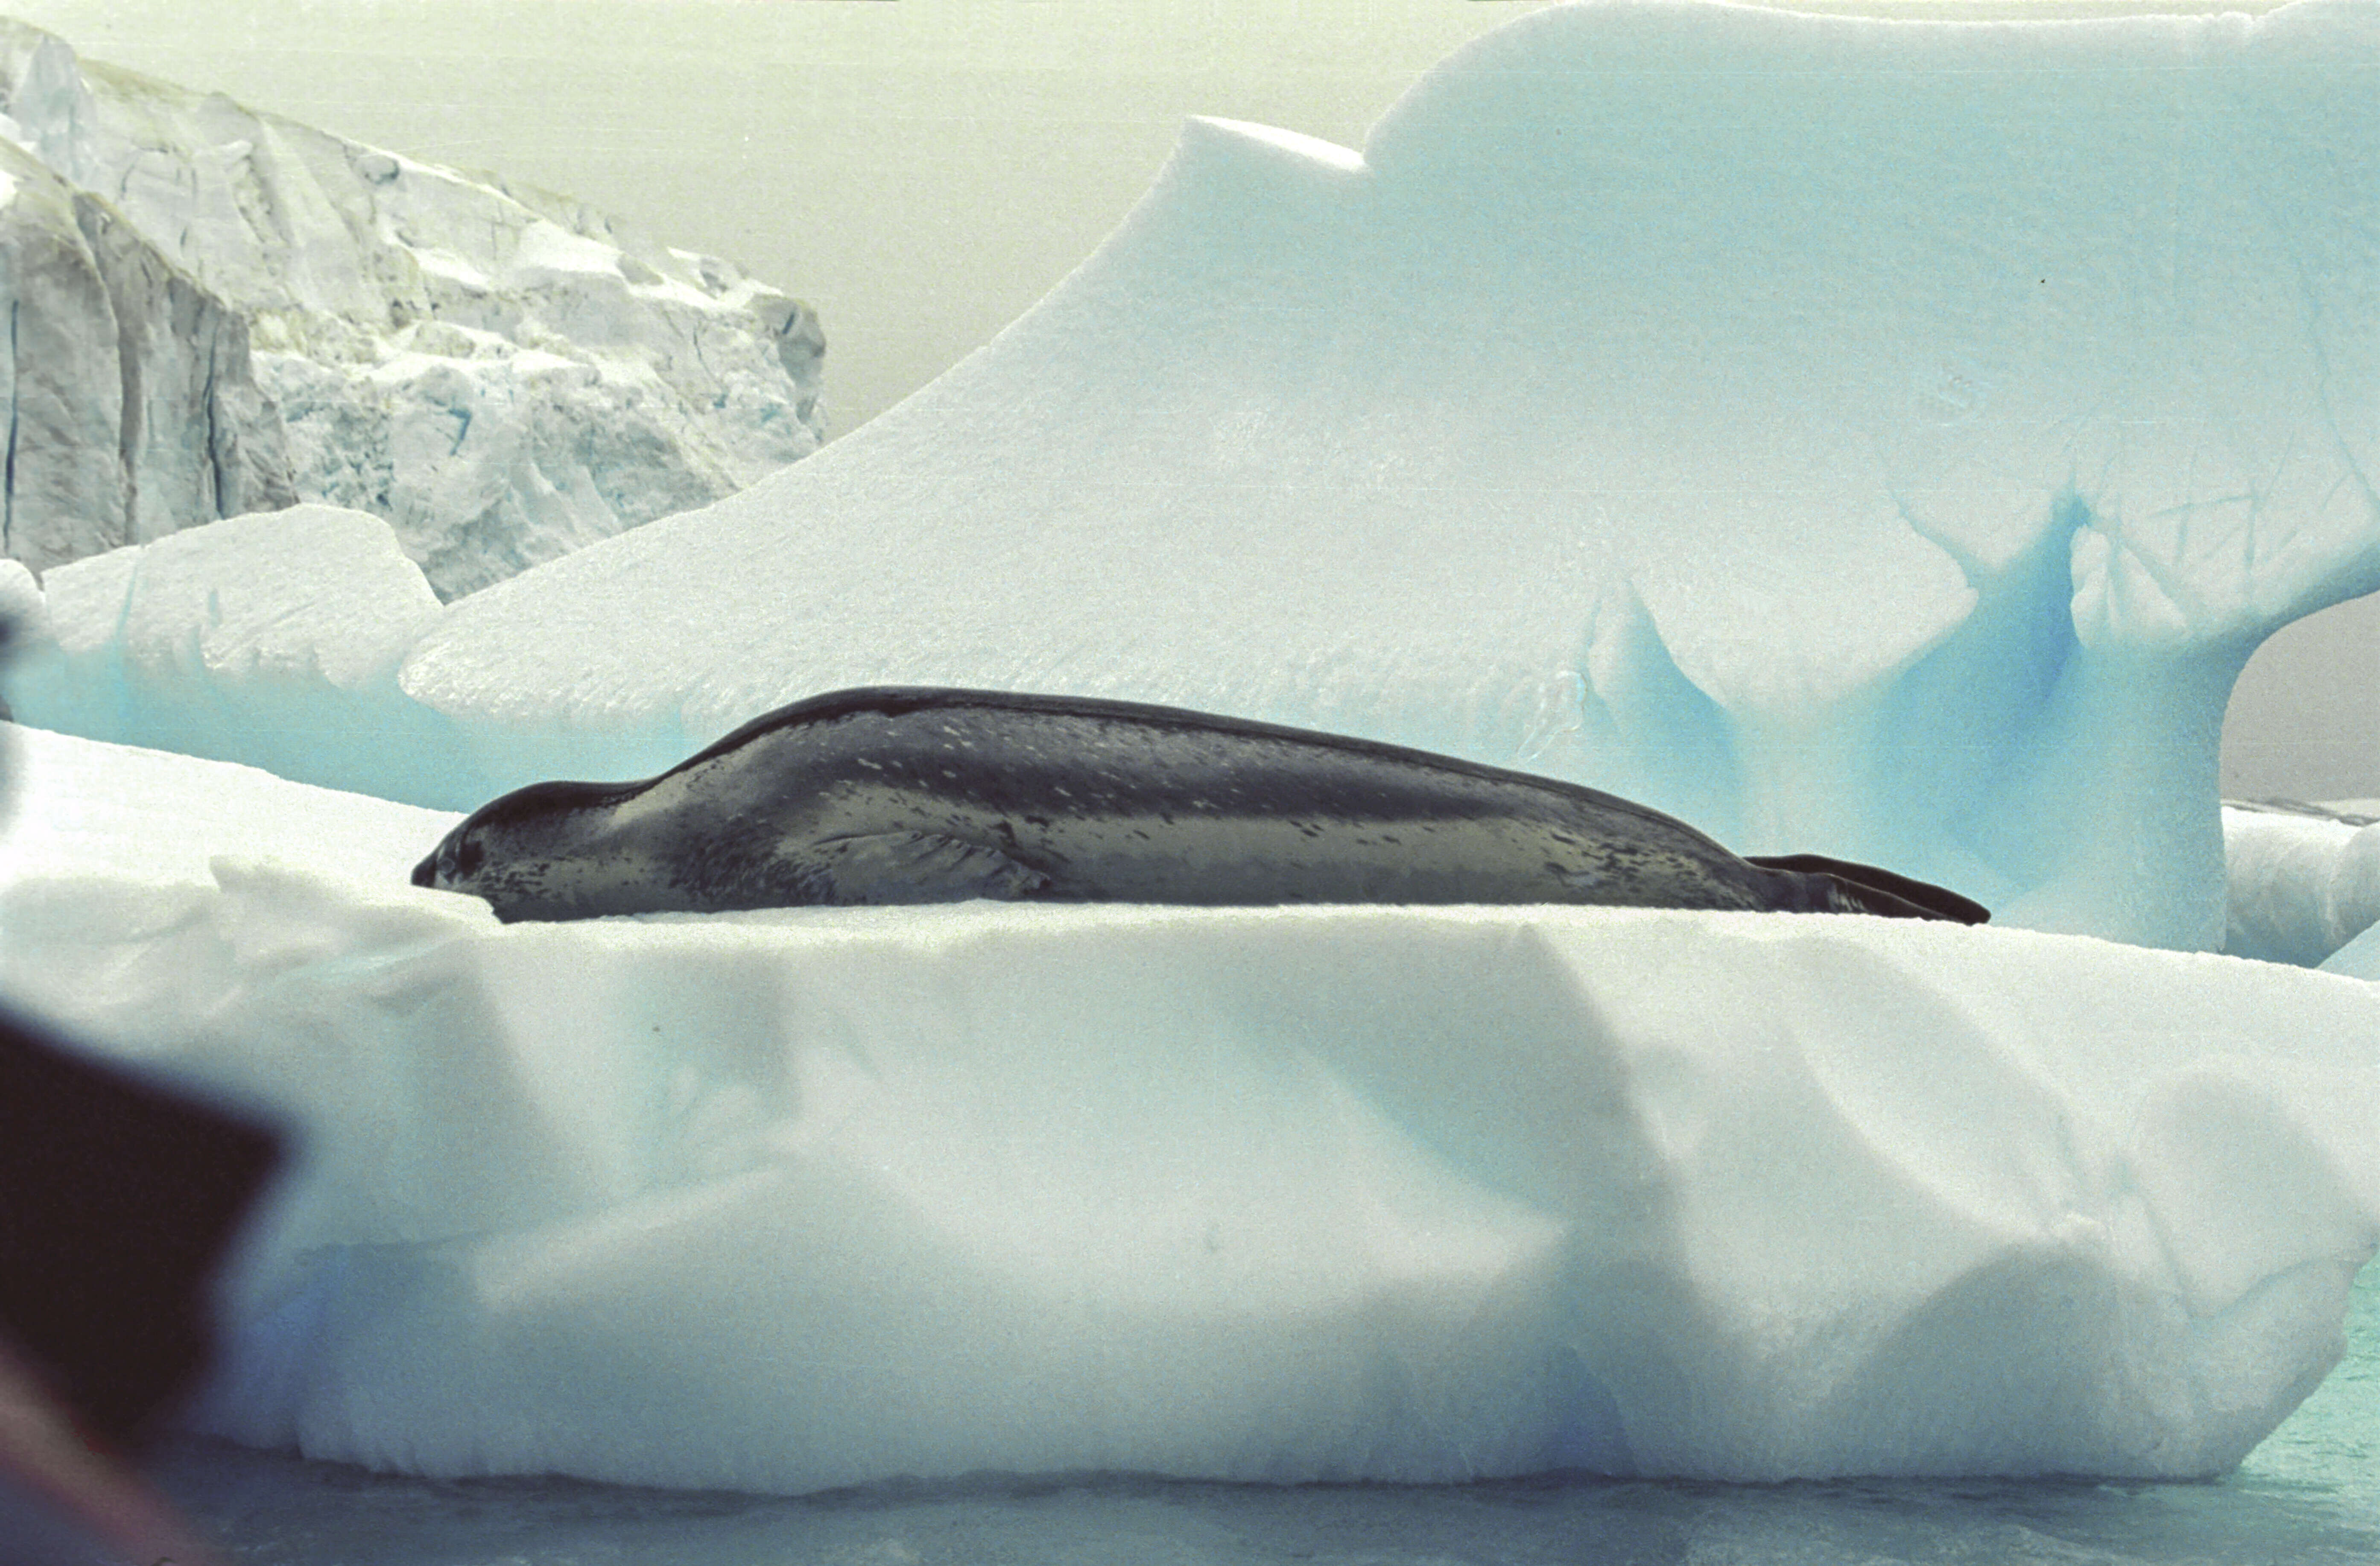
[[919, 795]]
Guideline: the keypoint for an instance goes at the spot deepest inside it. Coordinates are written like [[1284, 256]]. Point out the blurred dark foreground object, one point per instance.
[[117, 1201]]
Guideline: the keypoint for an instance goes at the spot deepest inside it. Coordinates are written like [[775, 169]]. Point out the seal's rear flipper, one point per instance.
[[1881, 892]]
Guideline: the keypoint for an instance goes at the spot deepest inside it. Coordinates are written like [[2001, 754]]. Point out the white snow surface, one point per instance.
[[784, 1200], [155, 819], [502, 373], [1898, 465]]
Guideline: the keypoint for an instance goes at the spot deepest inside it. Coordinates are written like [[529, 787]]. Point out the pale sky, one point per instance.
[[922, 171]]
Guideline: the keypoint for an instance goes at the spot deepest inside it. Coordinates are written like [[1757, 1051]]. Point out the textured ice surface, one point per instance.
[[2304, 882], [502, 373], [2360, 958], [271, 639], [72, 807], [1898, 465], [129, 397], [2308, 1496], [1897, 462], [785, 1201]]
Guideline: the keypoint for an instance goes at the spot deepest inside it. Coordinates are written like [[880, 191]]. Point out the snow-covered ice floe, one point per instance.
[[784, 1200], [1899, 465]]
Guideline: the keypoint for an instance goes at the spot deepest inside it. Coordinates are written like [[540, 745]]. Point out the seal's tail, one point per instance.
[[1864, 889]]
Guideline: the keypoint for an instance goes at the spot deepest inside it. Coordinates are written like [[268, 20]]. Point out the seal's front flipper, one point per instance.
[[1873, 891], [919, 867]]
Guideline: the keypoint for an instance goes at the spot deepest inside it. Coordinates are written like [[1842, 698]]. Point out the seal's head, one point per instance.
[[509, 850], [453, 862]]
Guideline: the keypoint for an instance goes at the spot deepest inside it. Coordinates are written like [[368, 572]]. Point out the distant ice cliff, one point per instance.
[[212, 311]]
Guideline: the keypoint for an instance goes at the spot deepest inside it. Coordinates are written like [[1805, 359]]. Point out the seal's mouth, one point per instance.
[[426, 872]]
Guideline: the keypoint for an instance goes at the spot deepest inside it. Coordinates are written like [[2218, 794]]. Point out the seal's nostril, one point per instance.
[[425, 873]]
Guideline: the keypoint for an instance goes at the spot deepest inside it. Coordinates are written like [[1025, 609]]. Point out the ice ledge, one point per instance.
[[1246, 1195]]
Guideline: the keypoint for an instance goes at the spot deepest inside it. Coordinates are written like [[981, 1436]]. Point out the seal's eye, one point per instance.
[[467, 856]]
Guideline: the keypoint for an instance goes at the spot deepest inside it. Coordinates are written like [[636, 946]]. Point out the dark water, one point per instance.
[[2310, 1494]]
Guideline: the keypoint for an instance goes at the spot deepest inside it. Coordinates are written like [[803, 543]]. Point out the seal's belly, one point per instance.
[[889, 844]]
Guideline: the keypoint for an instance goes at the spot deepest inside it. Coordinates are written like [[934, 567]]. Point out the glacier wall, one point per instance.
[[132, 406], [502, 374]]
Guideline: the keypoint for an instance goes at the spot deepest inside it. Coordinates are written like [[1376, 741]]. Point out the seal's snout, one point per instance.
[[426, 872]]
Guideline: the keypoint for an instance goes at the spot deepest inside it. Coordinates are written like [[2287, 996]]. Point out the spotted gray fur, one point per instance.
[[896, 795]]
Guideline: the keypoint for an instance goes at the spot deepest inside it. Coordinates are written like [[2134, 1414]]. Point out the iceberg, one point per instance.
[[1899, 465], [785, 1201], [217, 311]]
